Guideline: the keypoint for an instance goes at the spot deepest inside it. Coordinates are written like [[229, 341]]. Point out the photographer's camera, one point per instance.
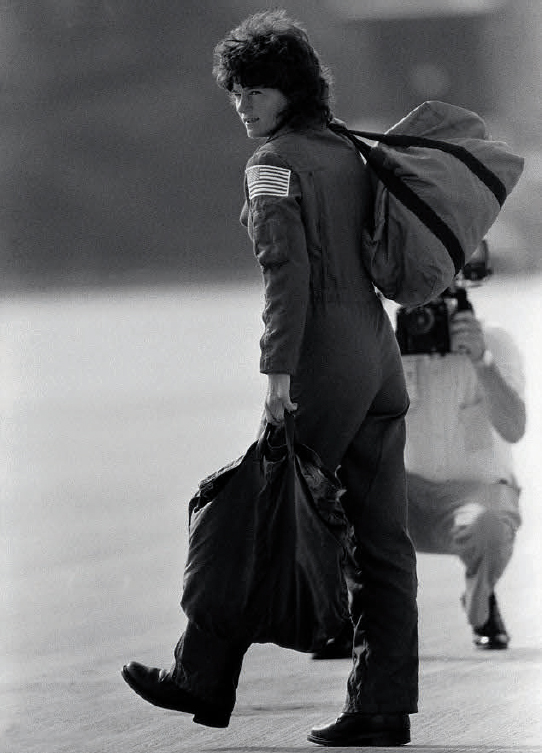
[[426, 329]]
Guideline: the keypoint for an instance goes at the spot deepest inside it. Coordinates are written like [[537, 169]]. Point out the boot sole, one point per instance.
[[372, 739]]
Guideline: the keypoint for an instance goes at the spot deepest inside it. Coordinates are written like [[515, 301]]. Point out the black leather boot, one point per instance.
[[157, 686], [382, 730]]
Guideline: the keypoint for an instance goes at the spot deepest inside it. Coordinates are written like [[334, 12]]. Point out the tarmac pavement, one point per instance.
[[114, 405]]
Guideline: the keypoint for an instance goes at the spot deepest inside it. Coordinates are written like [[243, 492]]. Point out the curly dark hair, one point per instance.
[[269, 49]]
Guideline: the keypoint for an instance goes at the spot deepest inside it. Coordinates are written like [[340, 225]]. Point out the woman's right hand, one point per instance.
[[277, 400]]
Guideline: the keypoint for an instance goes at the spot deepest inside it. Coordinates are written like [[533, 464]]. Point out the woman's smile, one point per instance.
[[261, 109]]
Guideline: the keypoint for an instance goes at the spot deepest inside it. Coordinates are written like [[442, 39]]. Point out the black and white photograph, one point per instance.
[[270, 354]]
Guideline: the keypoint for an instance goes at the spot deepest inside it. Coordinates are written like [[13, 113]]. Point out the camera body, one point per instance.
[[426, 329]]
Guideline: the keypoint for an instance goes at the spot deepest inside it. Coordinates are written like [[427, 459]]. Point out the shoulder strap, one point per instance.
[[405, 194], [488, 177]]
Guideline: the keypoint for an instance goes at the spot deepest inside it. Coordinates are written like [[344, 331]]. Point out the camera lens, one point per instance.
[[420, 321]]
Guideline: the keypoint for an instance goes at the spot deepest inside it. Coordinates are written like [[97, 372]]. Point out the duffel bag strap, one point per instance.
[[405, 194], [492, 181]]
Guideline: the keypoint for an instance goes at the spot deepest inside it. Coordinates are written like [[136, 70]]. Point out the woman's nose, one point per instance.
[[242, 104]]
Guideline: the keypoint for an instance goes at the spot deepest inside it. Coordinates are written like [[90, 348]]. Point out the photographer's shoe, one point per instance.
[[156, 686], [378, 730], [492, 634]]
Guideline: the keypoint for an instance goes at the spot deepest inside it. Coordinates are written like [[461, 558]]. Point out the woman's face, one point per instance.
[[260, 108]]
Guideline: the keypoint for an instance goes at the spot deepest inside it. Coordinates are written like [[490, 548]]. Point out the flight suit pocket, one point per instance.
[[270, 240]]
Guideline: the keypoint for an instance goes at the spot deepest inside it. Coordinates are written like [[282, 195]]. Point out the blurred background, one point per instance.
[[122, 162]]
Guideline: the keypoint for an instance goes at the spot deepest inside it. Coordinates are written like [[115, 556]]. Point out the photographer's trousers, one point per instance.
[[352, 401], [475, 520]]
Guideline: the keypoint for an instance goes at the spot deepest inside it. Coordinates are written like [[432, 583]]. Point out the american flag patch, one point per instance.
[[267, 180]]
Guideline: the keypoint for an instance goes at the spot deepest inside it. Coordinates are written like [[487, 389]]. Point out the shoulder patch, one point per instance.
[[267, 180]]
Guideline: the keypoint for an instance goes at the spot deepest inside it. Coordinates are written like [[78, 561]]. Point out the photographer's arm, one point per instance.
[[506, 408]]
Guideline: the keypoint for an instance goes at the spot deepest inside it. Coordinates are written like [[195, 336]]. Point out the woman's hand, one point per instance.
[[277, 399]]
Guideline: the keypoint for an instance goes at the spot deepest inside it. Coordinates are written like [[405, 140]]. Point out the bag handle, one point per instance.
[[289, 431], [288, 427]]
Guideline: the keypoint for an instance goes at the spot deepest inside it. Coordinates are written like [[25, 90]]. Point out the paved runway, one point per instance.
[[114, 405]]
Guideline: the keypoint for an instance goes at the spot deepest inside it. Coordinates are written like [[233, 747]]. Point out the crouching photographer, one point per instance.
[[466, 385]]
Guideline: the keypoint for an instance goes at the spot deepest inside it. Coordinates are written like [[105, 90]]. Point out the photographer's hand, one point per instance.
[[505, 406], [467, 336]]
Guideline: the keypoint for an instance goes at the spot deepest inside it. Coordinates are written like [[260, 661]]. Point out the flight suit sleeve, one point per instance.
[[275, 225]]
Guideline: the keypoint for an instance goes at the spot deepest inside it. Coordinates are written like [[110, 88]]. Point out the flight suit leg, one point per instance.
[[208, 667], [352, 403], [382, 577]]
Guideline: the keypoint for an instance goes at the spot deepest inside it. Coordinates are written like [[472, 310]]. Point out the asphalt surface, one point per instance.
[[114, 405]]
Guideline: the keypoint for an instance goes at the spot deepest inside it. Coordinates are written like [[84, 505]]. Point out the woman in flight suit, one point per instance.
[[330, 356]]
